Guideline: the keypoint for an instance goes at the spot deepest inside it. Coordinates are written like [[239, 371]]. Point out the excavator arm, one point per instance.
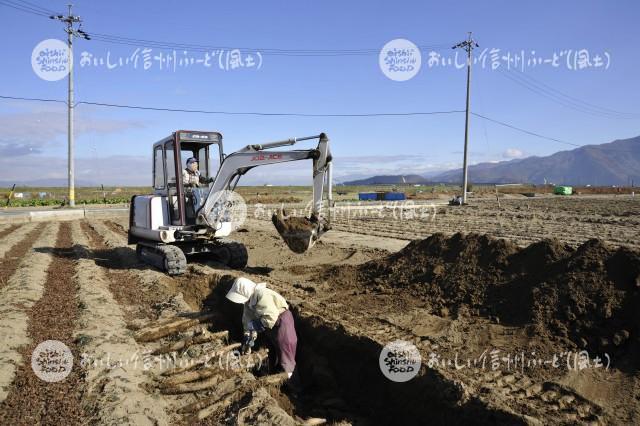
[[300, 233]]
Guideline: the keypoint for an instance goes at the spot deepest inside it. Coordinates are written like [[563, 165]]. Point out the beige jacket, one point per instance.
[[191, 178], [265, 305]]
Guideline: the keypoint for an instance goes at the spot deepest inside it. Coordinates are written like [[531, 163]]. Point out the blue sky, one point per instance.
[[114, 145]]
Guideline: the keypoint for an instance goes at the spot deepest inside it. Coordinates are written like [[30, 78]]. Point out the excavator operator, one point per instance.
[[192, 180]]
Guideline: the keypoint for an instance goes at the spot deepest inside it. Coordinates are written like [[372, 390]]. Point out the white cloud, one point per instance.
[[512, 153], [29, 132], [112, 170]]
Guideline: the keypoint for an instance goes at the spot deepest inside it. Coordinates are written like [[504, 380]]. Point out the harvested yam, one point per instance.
[[220, 401], [221, 390], [178, 317], [191, 340], [204, 359], [313, 421], [210, 382], [150, 334], [246, 362]]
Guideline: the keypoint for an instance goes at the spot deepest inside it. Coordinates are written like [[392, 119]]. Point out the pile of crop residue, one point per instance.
[[589, 296]]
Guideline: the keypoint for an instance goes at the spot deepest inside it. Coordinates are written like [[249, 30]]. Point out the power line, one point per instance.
[[35, 6], [597, 107], [502, 123], [290, 114], [555, 98], [32, 99], [112, 39], [269, 114], [546, 95], [25, 8], [560, 98], [130, 41], [199, 111]]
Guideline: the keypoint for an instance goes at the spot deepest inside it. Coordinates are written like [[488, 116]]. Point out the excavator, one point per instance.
[[179, 221]]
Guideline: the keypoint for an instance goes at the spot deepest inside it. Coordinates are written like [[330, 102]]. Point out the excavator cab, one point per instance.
[[169, 161]]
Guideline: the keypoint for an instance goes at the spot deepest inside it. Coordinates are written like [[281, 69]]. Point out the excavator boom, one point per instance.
[[299, 233]]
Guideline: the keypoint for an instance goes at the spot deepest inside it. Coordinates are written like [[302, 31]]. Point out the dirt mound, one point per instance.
[[591, 297], [588, 296]]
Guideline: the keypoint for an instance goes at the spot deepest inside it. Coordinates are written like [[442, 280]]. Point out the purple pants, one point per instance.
[[284, 338]]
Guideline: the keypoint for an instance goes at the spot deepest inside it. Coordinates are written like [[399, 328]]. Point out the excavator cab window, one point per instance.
[[200, 153], [195, 195], [158, 168], [214, 154], [172, 187]]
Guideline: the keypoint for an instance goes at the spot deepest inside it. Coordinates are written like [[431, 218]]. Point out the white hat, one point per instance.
[[241, 290]]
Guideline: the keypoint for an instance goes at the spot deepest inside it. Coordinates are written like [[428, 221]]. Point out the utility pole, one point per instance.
[[467, 45], [70, 20]]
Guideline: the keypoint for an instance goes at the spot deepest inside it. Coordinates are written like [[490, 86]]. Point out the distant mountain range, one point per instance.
[[614, 163], [390, 180]]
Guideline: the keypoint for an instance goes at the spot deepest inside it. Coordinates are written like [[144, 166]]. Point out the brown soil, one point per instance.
[[9, 230], [450, 296], [122, 284], [522, 220], [589, 296], [32, 400], [13, 257], [295, 231], [115, 227]]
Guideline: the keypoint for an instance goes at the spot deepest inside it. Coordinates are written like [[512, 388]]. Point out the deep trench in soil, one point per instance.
[[341, 377]]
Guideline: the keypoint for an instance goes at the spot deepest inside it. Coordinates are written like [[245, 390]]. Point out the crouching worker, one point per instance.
[[265, 310]]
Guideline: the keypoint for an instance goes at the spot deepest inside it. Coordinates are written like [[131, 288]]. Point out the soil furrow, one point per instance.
[[18, 234], [7, 229], [122, 283], [15, 237], [114, 395], [115, 227], [22, 290], [152, 285], [14, 254], [53, 317]]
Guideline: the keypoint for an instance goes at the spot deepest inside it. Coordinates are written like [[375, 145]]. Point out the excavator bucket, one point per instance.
[[299, 233]]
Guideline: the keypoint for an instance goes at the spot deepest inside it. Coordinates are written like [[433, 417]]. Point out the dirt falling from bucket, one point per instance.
[[297, 232]]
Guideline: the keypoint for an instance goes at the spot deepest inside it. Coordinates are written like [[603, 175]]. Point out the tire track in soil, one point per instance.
[[13, 257], [136, 302], [30, 399]]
